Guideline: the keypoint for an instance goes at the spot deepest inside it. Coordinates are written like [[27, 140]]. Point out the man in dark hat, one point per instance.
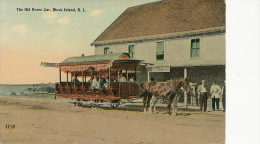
[[202, 92]]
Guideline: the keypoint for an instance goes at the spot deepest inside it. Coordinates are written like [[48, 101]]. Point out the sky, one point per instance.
[[28, 38]]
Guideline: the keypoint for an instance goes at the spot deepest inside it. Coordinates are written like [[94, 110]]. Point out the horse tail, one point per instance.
[[141, 85]]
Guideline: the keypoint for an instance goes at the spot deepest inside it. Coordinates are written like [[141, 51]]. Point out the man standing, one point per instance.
[[193, 93], [202, 92], [215, 92], [224, 96]]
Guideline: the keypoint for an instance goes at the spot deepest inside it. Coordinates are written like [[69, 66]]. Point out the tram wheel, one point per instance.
[[114, 105], [160, 101], [94, 106]]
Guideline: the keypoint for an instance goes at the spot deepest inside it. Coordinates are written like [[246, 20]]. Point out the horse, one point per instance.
[[171, 89]]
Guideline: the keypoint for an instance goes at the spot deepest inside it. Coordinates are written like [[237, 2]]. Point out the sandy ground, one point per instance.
[[32, 121]]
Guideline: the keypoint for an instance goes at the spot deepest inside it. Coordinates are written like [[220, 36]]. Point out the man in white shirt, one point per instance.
[[95, 83], [202, 92], [122, 78], [215, 92], [224, 96], [193, 92]]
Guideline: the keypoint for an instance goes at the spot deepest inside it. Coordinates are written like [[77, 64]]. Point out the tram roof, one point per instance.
[[98, 58]]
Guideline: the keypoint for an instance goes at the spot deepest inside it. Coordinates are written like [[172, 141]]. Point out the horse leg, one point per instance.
[[145, 102], [154, 104], [148, 102], [151, 104], [175, 103], [169, 103]]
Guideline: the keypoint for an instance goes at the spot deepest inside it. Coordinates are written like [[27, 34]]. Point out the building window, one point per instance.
[[131, 50], [160, 50], [195, 48], [106, 50]]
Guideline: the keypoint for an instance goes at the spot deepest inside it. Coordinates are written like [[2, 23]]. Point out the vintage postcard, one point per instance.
[[113, 72]]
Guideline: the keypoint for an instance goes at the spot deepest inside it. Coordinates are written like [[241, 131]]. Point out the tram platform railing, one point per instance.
[[115, 91]]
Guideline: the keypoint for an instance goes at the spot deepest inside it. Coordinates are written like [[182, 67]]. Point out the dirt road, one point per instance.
[[56, 122]]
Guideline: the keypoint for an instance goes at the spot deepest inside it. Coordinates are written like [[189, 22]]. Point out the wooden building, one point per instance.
[[177, 37]]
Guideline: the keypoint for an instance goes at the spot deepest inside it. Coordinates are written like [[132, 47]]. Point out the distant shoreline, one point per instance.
[[26, 89], [26, 84]]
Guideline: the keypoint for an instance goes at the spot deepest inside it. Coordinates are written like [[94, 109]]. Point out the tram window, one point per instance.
[[106, 50]]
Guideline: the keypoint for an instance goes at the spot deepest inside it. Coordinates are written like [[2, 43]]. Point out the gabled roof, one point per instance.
[[165, 17], [99, 62]]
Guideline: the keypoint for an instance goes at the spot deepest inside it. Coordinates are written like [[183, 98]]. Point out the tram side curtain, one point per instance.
[[80, 68]]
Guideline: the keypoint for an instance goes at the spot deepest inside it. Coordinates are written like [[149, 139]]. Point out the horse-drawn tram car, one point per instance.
[[99, 78]]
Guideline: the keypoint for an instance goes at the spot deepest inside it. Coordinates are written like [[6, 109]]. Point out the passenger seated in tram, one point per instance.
[[102, 81], [107, 82], [90, 80], [122, 78], [94, 83], [107, 79], [132, 79], [113, 78], [75, 80]]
